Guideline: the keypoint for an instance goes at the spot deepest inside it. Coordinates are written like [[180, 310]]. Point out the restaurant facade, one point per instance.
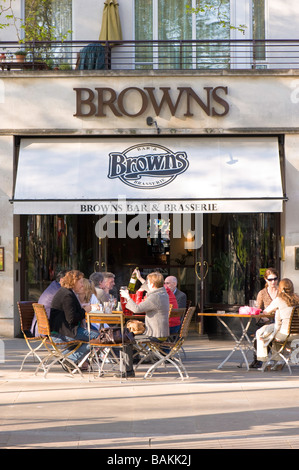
[[190, 171]]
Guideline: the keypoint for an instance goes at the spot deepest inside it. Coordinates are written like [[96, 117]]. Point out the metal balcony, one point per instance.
[[152, 55]]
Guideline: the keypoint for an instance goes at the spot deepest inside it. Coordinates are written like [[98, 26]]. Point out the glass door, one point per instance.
[[238, 248]]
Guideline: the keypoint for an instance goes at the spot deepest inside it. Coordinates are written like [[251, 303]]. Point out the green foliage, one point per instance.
[[37, 25]]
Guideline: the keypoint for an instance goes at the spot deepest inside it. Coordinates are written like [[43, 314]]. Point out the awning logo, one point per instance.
[[147, 166]]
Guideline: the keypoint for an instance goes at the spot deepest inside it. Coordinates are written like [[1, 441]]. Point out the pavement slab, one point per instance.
[[231, 408]]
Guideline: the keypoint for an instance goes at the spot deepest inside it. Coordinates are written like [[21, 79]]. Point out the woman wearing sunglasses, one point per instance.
[[269, 293], [263, 300]]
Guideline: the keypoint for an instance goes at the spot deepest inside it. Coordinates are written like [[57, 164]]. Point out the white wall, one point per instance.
[[87, 19], [283, 17], [7, 237], [291, 213], [255, 101]]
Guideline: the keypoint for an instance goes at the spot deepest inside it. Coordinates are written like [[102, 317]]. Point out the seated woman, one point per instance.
[[174, 322], [264, 298], [155, 306], [66, 314], [87, 295], [282, 305]]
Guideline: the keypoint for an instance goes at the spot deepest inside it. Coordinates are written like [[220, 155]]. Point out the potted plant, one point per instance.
[[20, 55], [65, 66]]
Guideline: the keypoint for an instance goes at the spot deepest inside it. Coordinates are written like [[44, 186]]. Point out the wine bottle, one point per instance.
[[132, 283]]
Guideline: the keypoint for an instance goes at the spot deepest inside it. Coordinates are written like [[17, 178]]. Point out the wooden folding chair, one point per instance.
[[167, 352], [103, 354], [34, 343], [280, 350], [57, 352], [177, 313]]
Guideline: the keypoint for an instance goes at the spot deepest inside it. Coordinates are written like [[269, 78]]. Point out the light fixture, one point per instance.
[[189, 243], [150, 121]]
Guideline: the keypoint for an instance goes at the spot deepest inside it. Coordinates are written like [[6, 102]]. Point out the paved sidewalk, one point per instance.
[[230, 408]]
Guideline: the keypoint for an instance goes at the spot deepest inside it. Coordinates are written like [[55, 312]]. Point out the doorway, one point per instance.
[[238, 249]]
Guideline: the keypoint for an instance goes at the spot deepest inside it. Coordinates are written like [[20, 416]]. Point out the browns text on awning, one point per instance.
[[138, 175]]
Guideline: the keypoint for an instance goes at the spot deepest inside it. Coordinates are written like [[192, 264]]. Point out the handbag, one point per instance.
[[135, 326], [112, 334]]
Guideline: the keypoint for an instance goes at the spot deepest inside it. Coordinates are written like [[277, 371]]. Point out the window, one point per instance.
[[48, 20], [163, 21], [240, 247]]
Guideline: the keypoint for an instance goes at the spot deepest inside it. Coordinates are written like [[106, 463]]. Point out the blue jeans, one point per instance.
[[174, 329], [82, 334]]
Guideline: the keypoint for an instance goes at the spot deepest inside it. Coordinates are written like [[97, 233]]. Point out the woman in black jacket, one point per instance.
[[66, 314]]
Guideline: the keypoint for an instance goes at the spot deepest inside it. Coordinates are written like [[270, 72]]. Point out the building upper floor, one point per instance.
[[151, 34]]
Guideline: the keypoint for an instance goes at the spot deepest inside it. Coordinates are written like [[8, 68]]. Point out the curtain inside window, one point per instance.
[[143, 32], [258, 28], [213, 22], [174, 23]]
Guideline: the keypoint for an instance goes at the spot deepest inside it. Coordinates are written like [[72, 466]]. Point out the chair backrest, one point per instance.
[[177, 313], [186, 322], [26, 312], [294, 323], [109, 318], [42, 320]]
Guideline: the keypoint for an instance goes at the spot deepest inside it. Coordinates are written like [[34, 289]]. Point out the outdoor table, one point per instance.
[[242, 343], [94, 314]]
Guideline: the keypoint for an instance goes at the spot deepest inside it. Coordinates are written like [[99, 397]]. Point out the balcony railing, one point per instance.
[[152, 55]]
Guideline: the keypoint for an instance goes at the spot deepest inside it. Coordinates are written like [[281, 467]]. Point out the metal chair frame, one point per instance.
[[57, 352], [34, 343], [283, 351], [167, 352]]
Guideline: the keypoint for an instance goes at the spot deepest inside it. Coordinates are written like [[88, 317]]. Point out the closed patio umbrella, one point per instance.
[[111, 27]]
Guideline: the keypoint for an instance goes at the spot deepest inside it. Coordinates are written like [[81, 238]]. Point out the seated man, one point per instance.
[[104, 283], [172, 282], [46, 299]]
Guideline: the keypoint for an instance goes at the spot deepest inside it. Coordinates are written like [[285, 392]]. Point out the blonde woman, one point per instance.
[[282, 305], [86, 296]]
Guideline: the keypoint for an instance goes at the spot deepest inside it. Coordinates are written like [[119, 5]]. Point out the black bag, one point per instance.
[[112, 334]]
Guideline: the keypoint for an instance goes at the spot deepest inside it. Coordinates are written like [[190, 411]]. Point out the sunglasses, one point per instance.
[[272, 279]]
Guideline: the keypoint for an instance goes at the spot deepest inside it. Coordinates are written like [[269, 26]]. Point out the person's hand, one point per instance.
[[139, 277], [124, 294], [87, 307]]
